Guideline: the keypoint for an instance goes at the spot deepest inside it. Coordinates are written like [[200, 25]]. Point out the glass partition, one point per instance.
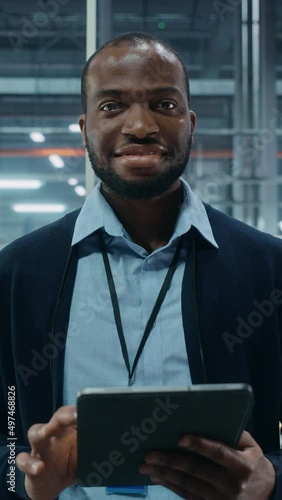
[[232, 52], [42, 52]]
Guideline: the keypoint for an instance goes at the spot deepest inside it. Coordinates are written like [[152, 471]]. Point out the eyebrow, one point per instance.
[[166, 89], [118, 92], [106, 92]]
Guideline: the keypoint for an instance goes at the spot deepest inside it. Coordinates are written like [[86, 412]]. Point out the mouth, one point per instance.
[[139, 154], [141, 158], [140, 150], [141, 163]]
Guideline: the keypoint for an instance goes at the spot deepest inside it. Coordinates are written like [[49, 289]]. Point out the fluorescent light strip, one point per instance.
[[73, 181], [37, 136], [80, 190], [38, 208], [56, 161], [74, 127], [20, 184]]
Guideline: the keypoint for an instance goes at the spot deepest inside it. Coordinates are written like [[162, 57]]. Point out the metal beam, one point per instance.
[[220, 42], [105, 13], [91, 45], [267, 109], [34, 86], [71, 86]]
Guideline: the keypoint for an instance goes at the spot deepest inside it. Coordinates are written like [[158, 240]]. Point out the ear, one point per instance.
[[193, 124], [81, 121]]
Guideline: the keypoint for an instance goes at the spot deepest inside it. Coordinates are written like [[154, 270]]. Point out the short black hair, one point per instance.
[[132, 38]]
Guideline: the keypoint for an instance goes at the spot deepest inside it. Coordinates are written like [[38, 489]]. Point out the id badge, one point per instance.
[[141, 491]]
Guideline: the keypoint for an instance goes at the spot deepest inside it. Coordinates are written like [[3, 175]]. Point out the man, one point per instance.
[[220, 320]]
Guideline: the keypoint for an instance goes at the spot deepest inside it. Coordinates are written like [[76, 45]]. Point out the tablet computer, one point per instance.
[[118, 426]]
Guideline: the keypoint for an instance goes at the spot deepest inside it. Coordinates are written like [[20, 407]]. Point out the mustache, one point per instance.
[[145, 140]]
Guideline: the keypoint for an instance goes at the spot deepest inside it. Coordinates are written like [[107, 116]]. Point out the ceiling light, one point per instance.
[[38, 208], [80, 190], [73, 181], [37, 137], [74, 127], [56, 161], [20, 184]]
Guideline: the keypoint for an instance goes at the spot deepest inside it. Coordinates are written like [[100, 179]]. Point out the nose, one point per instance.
[[139, 121]]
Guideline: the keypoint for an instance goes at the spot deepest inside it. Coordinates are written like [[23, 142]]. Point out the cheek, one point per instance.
[[184, 132], [102, 132], [179, 132], [184, 127], [97, 139], [104, 127]]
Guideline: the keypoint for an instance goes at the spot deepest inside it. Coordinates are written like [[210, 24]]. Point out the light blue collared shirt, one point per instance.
[[93, 356]]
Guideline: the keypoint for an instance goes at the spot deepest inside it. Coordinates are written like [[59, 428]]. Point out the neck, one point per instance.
[[150, 223]]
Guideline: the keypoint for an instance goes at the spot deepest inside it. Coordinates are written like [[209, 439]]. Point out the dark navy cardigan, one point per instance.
[[231, 305]]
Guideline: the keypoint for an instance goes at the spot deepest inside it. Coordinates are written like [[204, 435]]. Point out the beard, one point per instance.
[[146, 188]]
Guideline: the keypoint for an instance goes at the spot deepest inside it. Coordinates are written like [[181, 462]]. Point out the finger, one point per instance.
[[189, 463], [36, 438], [30, 465], [215, 451], [194, 465], [64, 417], [246, 441], [185, 483]]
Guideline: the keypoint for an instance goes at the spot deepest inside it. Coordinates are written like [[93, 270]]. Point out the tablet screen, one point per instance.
[[117, 427]]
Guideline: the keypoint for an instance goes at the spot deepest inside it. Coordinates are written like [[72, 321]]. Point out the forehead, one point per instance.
[[126, 66]]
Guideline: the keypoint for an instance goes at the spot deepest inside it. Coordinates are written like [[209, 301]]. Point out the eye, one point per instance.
[[165, 104], [110, 106]]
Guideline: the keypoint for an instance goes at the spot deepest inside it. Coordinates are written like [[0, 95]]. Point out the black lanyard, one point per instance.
[[154, 312]]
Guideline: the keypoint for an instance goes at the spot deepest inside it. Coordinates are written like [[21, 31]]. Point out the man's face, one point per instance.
[[137, 129]]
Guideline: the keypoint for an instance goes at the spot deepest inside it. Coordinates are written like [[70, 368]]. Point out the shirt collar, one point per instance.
[[96, 213], [193, 213]]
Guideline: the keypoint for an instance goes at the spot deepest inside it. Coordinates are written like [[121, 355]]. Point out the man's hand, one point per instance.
[[209, 470], [51, 465]]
